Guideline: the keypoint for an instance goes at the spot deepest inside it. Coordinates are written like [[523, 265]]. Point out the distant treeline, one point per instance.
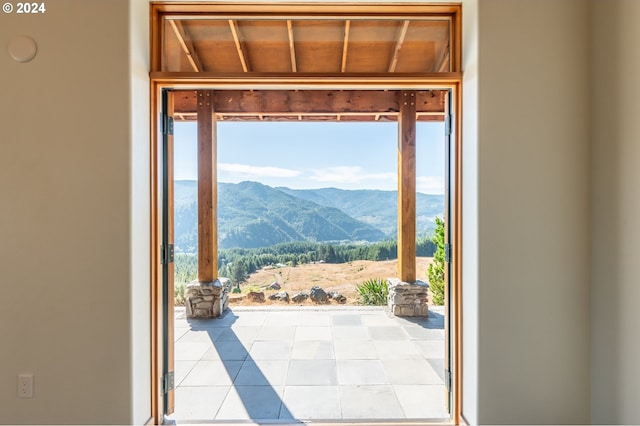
[[236, 261]]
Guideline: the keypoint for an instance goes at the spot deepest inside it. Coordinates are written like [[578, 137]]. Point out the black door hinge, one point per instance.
[[166, 254], [167, 125], [448, 124], [168, 382]]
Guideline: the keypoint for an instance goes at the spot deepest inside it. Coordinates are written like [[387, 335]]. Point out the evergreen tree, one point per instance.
[[436, 268], [238, 272]]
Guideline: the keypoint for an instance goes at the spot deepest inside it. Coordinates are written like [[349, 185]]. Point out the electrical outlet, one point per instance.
[[25, 385]]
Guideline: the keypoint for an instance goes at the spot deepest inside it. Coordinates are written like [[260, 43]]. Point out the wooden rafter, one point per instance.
[[292, 48], [235, 31], [345, 45], [187, 45], [343, 66], [399, 42]]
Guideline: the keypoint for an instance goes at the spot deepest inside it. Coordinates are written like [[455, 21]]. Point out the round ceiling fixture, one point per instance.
[[22, 48]]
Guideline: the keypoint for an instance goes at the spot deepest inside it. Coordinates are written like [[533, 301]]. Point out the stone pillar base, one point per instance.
[[407, 299], [207, 299]]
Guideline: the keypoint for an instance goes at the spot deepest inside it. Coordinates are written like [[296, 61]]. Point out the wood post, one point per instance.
[[407, 187], [207, 189]]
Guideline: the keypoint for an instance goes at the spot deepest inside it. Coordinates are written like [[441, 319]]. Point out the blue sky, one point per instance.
[[309, 155]]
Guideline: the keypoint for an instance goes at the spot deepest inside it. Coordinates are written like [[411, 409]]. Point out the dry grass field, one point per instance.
[[342, 278]]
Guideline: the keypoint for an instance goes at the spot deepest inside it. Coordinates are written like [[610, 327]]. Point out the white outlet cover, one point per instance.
[[25, 385]]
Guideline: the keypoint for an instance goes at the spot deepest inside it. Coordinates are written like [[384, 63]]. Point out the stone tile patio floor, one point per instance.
[[295, 364]]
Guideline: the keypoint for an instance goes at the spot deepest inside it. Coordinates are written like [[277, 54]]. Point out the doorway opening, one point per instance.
[[368, 359], [359, 98]]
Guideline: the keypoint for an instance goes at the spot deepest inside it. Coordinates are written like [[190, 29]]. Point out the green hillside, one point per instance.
[[254, 215], [377, 208]]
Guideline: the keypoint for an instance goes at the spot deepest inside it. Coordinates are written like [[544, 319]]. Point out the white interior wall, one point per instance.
[[470, 211], [615, 207], [140, 215], [70, 217], [533, 221]]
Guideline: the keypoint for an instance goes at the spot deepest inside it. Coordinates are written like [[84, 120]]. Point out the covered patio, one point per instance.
[[294, 364]]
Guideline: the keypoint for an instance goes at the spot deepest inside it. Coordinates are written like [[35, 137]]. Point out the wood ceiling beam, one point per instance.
[[292, 48], [400, 41], [235, 32], [366, 118], [299, 116], [187, 45], [345, 45], [331, 102], [421, 116]]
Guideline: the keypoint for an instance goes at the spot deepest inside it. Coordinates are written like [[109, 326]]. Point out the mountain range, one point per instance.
[[251, 215]]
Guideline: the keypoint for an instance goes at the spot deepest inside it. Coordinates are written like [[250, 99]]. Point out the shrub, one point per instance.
[[254, 289], [436, 268], [373, 291]]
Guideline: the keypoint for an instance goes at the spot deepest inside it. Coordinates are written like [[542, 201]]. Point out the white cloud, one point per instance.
[[430, 184], [247, 171], [353, 177], [348, 175]]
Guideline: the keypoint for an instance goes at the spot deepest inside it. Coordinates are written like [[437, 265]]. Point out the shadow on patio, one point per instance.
[[289, 365]]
